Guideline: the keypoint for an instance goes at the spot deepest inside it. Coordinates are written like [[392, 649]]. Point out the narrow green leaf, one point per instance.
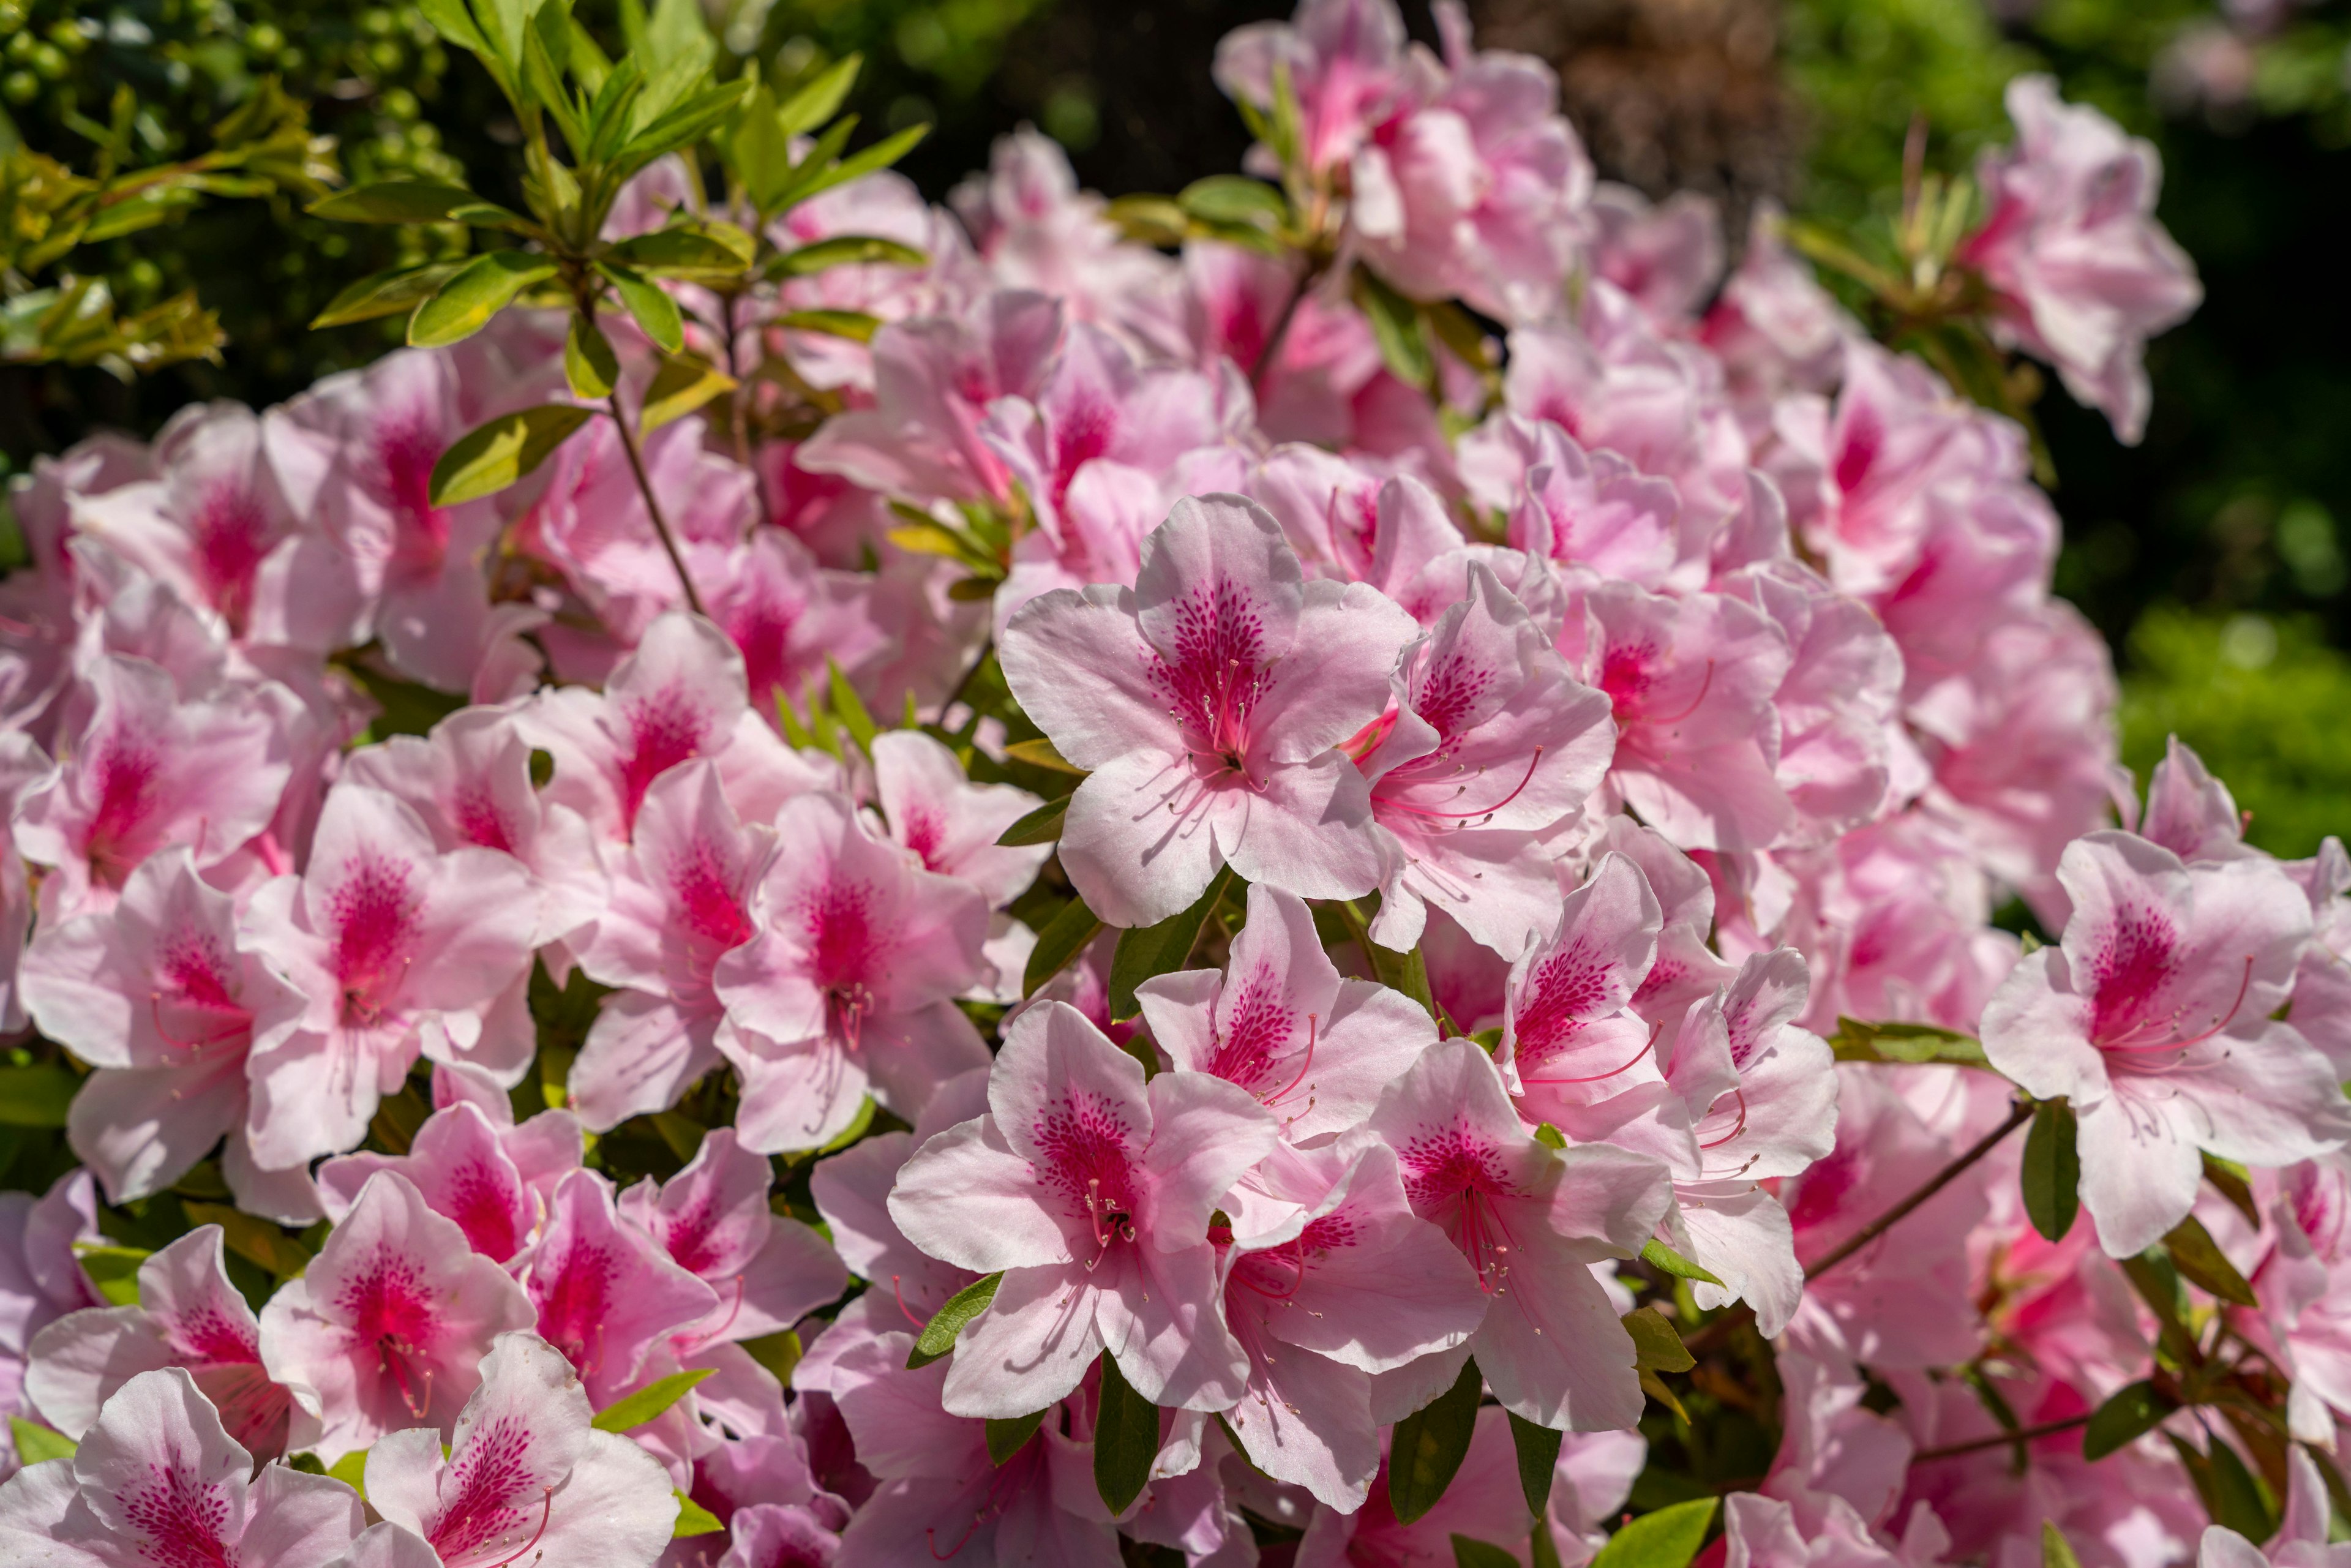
[[1469, 1553], [683, 126], [938, 1335], [351, 1470], [1668, 1537], [451, 21], [778, 1353], [1549, 1136], [679, 388], [2051, 1173], [2199, 1259], [1429, 1444], [2128, 1414], [2056, 1551], [590, 366], [37, 1095], [872, 160], [654, 311], [843, 250], [1006, 1438], [1152, 950], [1855, 1041], [788, 186], [1126, 1439], [851, 708], [35, 1443], [1041, 826], [256, 1241], [1042, 753], [2229, 1179], [2230, 1494], [1234, 199], [820, 99], [693, 1519], [385, 294], [703, 253], [631, 1411], [1064, 938], [1538, 1448], [1395, 327], [114, 1270], [480, 288], [855, 325], [1655, 1346], [489, 458], [399, 202], [1657, 1255]]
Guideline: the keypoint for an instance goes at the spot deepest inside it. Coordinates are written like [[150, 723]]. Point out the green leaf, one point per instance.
[[1659, 1256], [1008, 1437], [256, 1241], [1041, 826], [778, 1353], [708, 253], [410, 201], [1234, 199], [2229, 1179], [2200, 1261], [489, 458], [2056, 1551], [385, 294], [1064, 938], [1126, 1439], [938, 1335], [351, 1470], [843, 250], [1395, 327], [687, 124], [879, 156], [2052, 1172], [1148, 951], [1429, 1444], [693, 1519], [114, 1270], [679, 388], [1042, 753], [851, 708], [855, 325], [1655, 1346], [480, 288], [454, 22], [37, 1095], [35, 1443], [2230, 1494], [590, 366], [820, 99], [631, 1411], [2128, 1414], [1469, 1553], [654, 311], [1668, 1537], [1537, 1450], [1549, 1136], [1855, 1041]]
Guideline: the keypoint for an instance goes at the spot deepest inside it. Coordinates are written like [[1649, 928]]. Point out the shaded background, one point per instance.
[[2212, 556]]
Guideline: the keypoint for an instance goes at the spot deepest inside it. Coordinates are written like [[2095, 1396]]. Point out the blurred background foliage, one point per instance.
[[2214, 556]]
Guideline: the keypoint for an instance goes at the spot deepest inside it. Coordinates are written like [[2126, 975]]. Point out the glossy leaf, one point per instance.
[[1667, 1538], [843, 250], [706, 253], [938, 1335], [1064, 938], [410, 201], [631, 1411], [480, 290], [1008, 1437], [2128, 1414], [590, 366], [1126, 1439], [114, 1270], [1473, 1553], [1659, 1256], [855, 325], [2201, 1261], [820, 99], [1655, 1346], [1149, 951], [1041, 826], [679, 388], [36, 1443], [1537, 1452], [2052, 1172], [488, 458], [1428, 1446], [1042, 753], [693, 1519], [1234, 199], [1855, 1041], [654, 312]]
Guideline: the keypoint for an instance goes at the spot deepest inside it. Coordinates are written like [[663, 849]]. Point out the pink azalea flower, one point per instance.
[[41, 1280], [768, 1272], [1484, 1504], [1208, 700], [1336, 1279], [847, 986], [393, 948], [526, 1473], [1531, 1220], [189, 1316], [473, 1165], [1278, 1008], [2303, 1538], [2085, 273], [158, 997], [1589, 509], [1092, 1194], [948, 823], [681, 900], [789, 615], [158, 1480], [608, 1294], [1774, 329], [146, 772], [387, 1327], [2153, 1016], [1665, 256], [1492, 746], [1344, 59], [21, 763], [778, 1535]]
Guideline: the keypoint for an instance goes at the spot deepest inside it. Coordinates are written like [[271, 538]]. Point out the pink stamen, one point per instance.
[[1532, 763], [1655, 1030], [546, 1507], [900, 1295], [1302, 1066], [1703, 687], [1735, 1131]]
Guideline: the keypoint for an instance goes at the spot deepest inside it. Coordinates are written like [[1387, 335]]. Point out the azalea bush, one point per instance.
[[1353, 866]]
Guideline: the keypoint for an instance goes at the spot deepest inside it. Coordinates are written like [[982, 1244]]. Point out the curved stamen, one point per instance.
[[1703, 687], [1654, 1031], [900, 1295], [1302, 1066], [546, 1507], [1401, 805], [1734, 1132], [2133, 1046]]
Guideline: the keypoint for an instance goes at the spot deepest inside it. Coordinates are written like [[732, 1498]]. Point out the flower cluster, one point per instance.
[[1197, 878]]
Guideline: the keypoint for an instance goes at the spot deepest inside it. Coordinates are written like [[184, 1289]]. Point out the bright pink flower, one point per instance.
[[1484, 1504], [1345, 63], [41, 1280], [847, 985], [1493, 747], [21, 763], [947, 822], [768, 1272], [188, 1315], [489, 1175], [1594, 510], [2085, 275], [526, 1474], [1092, 1194], [148, 771], [393, 948], [2153, 1016], [1310, 1047], [158, 1480], [1209, 702], [1531, 1220], [789, 615], [1665, 257], [608, 1294], [778, 1535], [389, 1325]]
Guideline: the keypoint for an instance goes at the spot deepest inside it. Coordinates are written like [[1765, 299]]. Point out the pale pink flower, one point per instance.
[[778, 1535], [2303, 1538], [1484, 1504], [1092, 1194], [609, 1296], [1589, 509], [21, 763], [789, 615], [2083, 272], [1345, 63], [1664, 255], [526, 1473], [157, 1480], [473, 1166], [1774, 329], [41, 1280], [388, 1326], [1209, 701], [950, 824], [2153, 1016], [1837, 706]]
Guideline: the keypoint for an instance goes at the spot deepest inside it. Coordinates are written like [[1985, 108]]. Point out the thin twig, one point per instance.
[[987, 646], [2017, 1116], [1273, 350], [652, 505], [2022, 1435]]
